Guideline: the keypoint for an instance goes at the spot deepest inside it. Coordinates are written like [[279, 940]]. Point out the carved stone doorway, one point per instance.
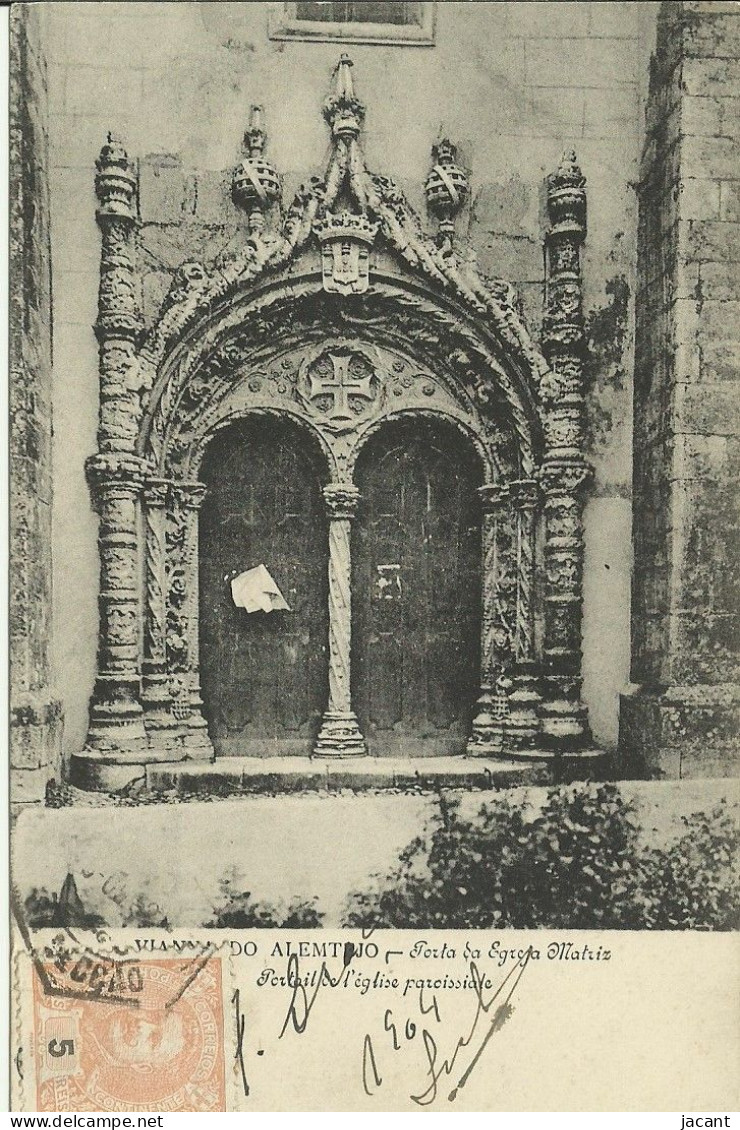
[[417, 589], [263, 675], [401, 326]]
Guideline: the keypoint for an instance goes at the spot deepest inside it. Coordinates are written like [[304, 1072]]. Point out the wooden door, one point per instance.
[[416, 590], [263, 675]]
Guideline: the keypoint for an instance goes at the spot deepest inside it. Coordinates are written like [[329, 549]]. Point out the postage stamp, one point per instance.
[[161, 1050]]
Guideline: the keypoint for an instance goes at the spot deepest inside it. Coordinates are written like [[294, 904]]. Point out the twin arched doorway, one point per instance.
[[415, 593]]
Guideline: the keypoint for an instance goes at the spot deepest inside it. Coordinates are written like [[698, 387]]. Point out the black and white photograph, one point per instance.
[[374, 610]]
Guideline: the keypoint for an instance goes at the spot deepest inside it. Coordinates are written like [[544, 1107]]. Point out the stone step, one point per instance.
[[233, 775]]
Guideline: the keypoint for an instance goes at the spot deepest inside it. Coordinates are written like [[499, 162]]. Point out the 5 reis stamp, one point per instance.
[[161, 1049]]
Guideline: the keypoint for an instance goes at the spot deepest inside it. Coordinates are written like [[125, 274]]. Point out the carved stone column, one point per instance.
[[116, 718], [116, 736], [119, 321], [340, 734], [565, 471], [492, 708], [184, 620], [523, 725], [156, 697], [564, 717]]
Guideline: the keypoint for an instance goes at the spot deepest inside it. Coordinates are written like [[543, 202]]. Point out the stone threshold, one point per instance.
[[235, 775]]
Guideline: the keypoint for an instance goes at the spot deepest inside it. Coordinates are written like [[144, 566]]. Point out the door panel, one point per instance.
[[416, 590], [264, 675]]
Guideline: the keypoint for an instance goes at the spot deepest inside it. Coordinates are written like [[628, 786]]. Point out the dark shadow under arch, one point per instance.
[[417, 588]]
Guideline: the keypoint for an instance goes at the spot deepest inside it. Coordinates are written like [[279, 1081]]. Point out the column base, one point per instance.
[[487, 731], [196, 739], [563, 717], [117, 726], [100, 771], [680, 732], [340, 736], [486, 738], [523, 727]]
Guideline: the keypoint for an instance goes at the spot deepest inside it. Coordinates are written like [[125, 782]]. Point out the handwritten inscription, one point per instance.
[[428, 1027]]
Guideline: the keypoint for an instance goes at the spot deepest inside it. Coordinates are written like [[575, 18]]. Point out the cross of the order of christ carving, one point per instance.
[[340, 385]]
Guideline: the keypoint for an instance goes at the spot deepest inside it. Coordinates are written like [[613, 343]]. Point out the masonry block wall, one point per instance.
[[36, 722], [682, 718]]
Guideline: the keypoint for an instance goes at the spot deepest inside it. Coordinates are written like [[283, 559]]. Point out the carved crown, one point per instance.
[[346, 225]]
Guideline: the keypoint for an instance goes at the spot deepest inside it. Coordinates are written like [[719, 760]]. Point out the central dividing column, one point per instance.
[[340, 733]]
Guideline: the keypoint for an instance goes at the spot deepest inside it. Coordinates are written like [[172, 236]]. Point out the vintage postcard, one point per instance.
[[374, 555]]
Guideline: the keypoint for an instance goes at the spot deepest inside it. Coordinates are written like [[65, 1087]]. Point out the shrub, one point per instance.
[[239, 911], [146, 913], [578, 863], [40, 908], [694, 884]]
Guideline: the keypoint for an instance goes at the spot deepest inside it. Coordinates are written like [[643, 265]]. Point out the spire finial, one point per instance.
[[343, 77], [255, 136], [569, 166], [343, 110], [115, 181], [256, 185], [566, 196]]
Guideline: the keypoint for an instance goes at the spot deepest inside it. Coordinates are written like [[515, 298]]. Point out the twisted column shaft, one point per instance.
[[163, 728], [340, 734]]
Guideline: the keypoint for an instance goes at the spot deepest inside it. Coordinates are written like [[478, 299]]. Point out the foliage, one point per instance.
[[144, 912], [694, 884], [40, 908], [577, 863], [238, 911]]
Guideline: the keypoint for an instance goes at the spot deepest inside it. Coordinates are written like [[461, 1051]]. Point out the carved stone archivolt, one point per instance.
[[344, 317]]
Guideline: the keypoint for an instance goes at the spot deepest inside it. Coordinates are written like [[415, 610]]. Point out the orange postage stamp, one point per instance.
[[159, 1049]]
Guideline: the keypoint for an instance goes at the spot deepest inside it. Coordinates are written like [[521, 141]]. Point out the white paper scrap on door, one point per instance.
[[256, 591]]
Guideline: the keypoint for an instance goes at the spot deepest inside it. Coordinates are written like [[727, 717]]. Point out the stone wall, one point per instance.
[[306, 857], [36, 721], [683, 718], [176, 82]]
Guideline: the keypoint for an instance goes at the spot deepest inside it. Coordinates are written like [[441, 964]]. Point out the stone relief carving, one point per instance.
[[342, 353]]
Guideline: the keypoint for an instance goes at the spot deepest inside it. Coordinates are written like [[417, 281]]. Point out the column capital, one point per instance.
[[189, 494], [564, 477], [525, 494], [494, 496], [341, 500], [110, 469], [156, 491]]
